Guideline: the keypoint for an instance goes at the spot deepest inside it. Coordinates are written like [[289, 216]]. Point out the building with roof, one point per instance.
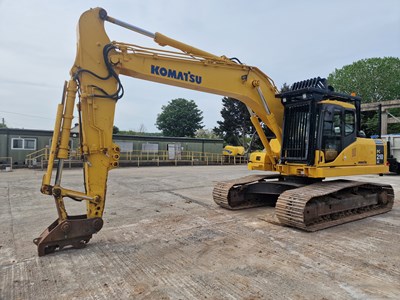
[[29, 147]]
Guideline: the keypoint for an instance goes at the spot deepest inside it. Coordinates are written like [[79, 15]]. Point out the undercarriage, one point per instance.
[[305, 203]]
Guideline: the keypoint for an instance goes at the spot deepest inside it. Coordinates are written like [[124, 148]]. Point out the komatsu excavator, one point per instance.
[[316, 135]]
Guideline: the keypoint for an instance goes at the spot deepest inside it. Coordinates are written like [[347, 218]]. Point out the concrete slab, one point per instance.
[[165, 238]]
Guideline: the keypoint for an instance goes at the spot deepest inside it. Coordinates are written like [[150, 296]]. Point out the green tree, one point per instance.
[[374, 80], [132, 132], [285, 88], [180, 118], [3, 124], [206, 134], [236, 124], [142, 129], [115, 129]]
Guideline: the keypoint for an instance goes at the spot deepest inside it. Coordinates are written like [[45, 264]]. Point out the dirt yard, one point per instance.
[[165, 238]]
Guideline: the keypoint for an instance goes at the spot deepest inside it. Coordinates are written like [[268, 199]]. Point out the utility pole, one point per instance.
[[380, 121]]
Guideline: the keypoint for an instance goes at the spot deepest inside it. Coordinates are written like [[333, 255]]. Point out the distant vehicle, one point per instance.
[[233, 150]]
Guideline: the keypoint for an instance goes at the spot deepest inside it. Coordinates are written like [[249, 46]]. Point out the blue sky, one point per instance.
[[288, 40]]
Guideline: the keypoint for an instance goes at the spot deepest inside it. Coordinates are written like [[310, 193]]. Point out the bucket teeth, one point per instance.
[[76, 231]]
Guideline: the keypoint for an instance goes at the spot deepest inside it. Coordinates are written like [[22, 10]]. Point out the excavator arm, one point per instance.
[[96, 87]]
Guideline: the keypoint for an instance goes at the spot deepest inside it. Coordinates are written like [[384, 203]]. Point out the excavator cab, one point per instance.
[[317, 118], [338, 129], [319, 140]]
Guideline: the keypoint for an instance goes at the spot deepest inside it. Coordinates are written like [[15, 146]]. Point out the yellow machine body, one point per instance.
[[357, 159]]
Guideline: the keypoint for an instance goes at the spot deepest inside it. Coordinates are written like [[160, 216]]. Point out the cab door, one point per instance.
[[338, 130]]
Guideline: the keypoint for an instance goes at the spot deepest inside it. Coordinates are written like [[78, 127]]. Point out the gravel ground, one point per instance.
[[165, 238]]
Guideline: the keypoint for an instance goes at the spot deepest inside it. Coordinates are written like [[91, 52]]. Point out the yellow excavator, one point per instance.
[[230, 150], [316, 135]]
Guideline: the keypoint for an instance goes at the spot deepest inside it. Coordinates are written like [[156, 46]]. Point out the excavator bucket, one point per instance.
[[76, 232]]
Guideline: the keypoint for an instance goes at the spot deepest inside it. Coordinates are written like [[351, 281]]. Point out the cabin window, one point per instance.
[[332, 140], [23, 144], [349, 122]]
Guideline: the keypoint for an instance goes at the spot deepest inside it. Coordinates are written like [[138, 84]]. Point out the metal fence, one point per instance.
[[39, 159]]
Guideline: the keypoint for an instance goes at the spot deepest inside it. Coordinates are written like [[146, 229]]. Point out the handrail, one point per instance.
[[37, 153], [140, 157], [36, 156], [44, 154]]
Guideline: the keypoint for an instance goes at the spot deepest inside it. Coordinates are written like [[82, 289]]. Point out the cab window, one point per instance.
[[349, 122], [332, 132]]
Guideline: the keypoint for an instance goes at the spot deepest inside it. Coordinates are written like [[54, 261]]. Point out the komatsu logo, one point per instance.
[[170, 73]]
